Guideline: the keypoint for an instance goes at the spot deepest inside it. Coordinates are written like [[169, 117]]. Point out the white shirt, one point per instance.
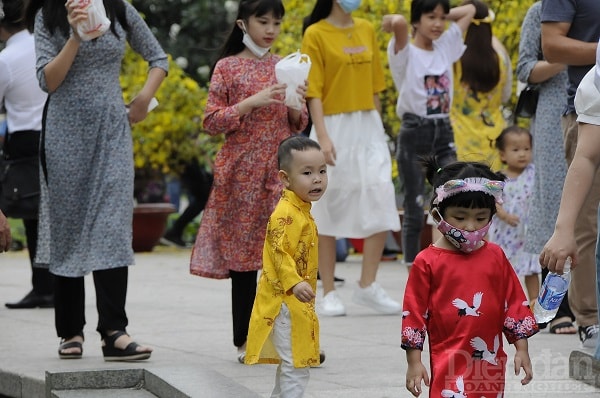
[[20, 92], [597, 75], [424, 78]]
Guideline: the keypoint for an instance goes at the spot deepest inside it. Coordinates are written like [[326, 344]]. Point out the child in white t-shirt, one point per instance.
[[422, 73]]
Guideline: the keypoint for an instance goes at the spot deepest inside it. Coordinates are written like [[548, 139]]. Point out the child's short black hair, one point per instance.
[[438, 176], [294, 143], [500, 142], [420, 7]]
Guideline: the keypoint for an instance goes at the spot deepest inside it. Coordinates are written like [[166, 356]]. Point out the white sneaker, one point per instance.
[[376, 298], [331, 305]]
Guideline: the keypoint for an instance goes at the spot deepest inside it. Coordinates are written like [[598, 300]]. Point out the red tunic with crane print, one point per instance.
[[464, 303]]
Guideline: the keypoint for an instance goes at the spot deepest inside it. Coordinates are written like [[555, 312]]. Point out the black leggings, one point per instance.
[[69, 302], [243, 291]]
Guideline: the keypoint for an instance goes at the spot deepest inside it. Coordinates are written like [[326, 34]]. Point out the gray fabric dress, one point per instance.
[[86, 204], [548, 147]]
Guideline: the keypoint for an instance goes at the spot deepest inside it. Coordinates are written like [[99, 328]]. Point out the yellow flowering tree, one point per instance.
[[171, 134]]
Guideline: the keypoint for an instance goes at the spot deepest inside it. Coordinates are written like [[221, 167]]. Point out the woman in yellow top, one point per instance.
[[288, 282], [482, 83], [344, 81]]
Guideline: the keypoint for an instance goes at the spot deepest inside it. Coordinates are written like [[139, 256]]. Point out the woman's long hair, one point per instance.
[[247, 8], [320, 11], [55, 15], [13, 20], [480, 61]]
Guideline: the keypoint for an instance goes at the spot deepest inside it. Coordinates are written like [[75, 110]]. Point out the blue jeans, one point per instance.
[[419, 137]]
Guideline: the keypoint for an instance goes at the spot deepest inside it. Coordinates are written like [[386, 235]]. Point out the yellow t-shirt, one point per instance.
[[346, 67], [477, 119], [290, 256]]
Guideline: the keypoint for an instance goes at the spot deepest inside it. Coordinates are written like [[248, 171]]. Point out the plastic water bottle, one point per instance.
[[553, 290]]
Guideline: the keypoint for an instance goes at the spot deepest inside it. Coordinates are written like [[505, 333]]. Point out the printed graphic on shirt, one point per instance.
[[358, 55], [438, 93]]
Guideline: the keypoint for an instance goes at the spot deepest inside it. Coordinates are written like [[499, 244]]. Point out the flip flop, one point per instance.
[[563, 325]]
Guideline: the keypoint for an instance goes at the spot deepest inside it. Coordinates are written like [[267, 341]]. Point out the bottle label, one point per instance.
[[550, 299]]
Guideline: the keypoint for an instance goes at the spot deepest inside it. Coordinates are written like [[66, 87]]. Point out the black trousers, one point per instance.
[[243, 291], [69, 302], [24, 144], [197, 182]]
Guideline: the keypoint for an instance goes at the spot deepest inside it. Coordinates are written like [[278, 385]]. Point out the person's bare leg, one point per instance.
[[372, 251], [327, 262], [532, 284]]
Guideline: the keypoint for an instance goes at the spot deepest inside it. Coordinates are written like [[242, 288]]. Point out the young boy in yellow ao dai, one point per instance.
[[284, 328]]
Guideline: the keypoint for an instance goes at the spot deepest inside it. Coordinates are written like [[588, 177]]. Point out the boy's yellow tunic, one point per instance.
[[289, 257]]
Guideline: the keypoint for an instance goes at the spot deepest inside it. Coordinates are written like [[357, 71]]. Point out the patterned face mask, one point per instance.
[[465, 241]]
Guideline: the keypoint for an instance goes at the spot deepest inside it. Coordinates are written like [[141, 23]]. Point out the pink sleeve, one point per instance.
[[220, 117]]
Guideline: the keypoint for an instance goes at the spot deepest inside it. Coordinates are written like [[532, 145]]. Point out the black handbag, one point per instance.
[[19, 186], [527, 103]]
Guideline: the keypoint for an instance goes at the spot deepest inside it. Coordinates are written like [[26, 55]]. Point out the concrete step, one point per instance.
[[583, 366], [105, 393], [169, 382]]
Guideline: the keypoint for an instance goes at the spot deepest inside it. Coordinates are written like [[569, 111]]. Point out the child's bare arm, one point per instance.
[[416, 372], [522, 360], [303, 292], [396, 24], [462, 15], [510, 219]]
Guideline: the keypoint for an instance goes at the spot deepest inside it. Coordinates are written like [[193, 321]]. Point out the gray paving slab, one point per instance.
[[187, 320]]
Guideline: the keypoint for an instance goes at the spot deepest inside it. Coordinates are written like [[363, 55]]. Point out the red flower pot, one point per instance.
[[149, 224]]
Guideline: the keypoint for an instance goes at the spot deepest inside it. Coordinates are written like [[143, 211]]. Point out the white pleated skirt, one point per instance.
[[360, 199]]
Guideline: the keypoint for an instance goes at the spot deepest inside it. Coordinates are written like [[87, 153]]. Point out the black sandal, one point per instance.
[[130, 353], [71, 344]]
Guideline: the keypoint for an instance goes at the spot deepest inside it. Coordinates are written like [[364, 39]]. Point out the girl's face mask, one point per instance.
[[465, 241], [254, 48], [349, 5]]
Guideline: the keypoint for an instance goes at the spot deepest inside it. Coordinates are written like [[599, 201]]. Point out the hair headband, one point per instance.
[[478, 184], [488, 19]]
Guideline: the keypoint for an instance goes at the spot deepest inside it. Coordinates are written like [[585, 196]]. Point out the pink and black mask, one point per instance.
[[465, 241]]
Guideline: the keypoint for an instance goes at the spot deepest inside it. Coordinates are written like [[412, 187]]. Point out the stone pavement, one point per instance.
[[187, 320]]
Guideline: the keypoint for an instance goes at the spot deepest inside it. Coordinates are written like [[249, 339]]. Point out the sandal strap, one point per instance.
[[70, 344], [110, 340]]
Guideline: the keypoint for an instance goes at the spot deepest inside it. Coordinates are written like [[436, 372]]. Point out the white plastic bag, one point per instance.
[[293, 71], [96, 24]]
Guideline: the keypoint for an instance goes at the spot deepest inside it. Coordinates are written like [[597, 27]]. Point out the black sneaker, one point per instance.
[[589, 335]]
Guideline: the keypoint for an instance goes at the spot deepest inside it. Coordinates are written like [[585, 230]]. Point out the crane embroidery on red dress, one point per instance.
[[465, 309], [482, 352], [460, 385]]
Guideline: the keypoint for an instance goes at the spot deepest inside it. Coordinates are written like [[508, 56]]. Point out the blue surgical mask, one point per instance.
[[349, 5]]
